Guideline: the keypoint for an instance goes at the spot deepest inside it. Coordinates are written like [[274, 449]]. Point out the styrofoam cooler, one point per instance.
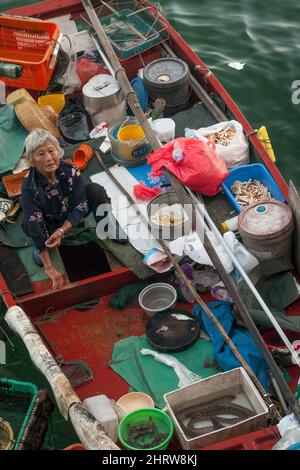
[[235, 381]]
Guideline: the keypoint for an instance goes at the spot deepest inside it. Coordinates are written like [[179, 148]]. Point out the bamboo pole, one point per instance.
[[90, 431]]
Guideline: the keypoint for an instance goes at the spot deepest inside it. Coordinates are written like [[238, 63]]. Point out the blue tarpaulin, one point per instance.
[[239, 336]]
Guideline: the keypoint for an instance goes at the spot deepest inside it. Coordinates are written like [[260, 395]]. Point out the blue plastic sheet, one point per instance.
[[239, 336]]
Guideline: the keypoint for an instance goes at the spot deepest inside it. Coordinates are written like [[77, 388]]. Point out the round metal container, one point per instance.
[[157, 298], [168, 78], [266, 229], [170, 232], [101, 92], [127, 153]]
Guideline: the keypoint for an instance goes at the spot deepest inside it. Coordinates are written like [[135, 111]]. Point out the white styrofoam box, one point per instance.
[[235, 381], [100, 406]]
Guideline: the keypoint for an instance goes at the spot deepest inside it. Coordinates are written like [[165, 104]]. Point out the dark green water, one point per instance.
[[266, 37]]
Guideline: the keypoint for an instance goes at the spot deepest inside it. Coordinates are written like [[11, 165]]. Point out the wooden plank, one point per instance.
[[294, 203], [14, 272]]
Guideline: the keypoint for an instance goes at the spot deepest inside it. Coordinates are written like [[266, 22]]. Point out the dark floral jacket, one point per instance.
[[46, 206]]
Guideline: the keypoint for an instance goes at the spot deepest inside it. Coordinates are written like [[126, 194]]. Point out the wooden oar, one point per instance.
[[90, 431]]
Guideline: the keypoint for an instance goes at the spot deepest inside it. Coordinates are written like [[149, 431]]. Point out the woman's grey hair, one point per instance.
[[39, 137]]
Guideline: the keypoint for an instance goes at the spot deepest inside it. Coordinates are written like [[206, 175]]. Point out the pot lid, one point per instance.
[[166, 72], [265, 219], [172, 330], [101, 86]]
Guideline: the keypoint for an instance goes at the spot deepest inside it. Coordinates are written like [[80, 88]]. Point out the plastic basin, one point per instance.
[[157, 298], [156, 437], [134, 401], [255, 171]]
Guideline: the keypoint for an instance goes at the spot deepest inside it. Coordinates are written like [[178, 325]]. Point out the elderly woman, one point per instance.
[[55, 199]]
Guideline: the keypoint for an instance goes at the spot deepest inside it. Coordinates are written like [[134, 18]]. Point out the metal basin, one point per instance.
[[170, 232], [157, 298]]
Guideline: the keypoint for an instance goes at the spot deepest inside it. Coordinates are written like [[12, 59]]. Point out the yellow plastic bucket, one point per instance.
[[55, 100], [131, 132]]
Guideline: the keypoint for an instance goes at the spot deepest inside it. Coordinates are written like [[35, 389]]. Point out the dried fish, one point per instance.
[[222, 137], [250, 192]]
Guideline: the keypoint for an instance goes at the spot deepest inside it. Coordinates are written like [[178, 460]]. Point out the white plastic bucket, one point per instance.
[[164, 128]]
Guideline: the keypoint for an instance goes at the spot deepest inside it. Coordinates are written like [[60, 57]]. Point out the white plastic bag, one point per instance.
[[185, 376], [237, 152], [70, 79], [289, 430]]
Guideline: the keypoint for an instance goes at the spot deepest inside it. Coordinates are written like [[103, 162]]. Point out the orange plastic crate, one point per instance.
[[29, 43]]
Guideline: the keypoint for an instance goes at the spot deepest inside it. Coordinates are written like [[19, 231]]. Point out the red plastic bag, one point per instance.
[[87, 69], [200, 168], [144, 193]]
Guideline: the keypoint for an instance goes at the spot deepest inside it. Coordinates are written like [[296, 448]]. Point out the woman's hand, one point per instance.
[[56, 277], [54, 240]]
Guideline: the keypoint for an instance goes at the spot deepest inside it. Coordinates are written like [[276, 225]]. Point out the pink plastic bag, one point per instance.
[[87, 69], [200, 168], [144, 193]]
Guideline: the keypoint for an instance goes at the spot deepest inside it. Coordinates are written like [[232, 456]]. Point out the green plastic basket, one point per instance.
[[16, 402]]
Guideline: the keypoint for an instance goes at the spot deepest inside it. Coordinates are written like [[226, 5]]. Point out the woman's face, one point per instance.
[[46, 159]]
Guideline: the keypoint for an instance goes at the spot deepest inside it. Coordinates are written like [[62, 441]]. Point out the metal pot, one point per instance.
[[101, 92], [171, 232]]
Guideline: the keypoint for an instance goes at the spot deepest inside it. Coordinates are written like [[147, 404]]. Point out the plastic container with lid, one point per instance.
[[100, 406], [266, 229], [164, 129]]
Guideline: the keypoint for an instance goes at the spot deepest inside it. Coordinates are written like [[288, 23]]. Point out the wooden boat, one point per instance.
[[90, 336]]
